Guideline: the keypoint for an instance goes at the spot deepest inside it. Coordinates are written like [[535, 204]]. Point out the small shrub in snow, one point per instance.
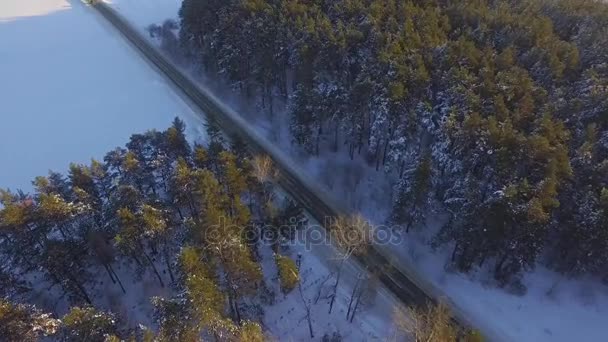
[[288, 273], [88, 324]]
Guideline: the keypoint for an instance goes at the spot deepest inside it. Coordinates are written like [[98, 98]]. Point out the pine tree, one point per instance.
[[177, 145], [251, 332], [216, 144], [182, 189], [64, 265], [160, 232], [204, 296], [131, 240], [175, 324], [200, 156], [55, 212], [24, 323], [288, 273], [412, 196], [22, 241], [87, 324]]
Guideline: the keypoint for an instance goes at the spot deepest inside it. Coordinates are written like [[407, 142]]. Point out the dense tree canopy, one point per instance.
[[505, 100], [158, 209]]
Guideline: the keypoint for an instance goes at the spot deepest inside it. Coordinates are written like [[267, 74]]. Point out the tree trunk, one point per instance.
[[231, 306], [234, 306], [499, 264], [483, 259], [377, 157], [179, 212], [133, 254], [335, 289], [336, 131], [384, 153], [117, 278], [83, 292], [168, 264], [237, 310], [318, 139], [353, 295], [462, 259], [454, 251], [81, 289], [320, 289], [270, 102], [284, 84], [109, 273], [312, 334], [307, 308], [193, 211], [401, 168], [164, 179], [160, 279], [352, 317], [63, 234], [409, 225]]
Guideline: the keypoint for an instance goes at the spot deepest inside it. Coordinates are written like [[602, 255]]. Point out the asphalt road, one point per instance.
[[409, 289]]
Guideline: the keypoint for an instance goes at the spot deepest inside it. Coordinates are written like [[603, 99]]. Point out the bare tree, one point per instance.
[[351, 235], [265, 172], [263, 168], [306, 302], [356, 293], [321, 288], [429, 324], [363, 293]]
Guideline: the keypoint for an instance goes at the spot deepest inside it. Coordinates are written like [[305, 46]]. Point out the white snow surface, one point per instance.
[[72, 89], [286, 319], [553, 309]]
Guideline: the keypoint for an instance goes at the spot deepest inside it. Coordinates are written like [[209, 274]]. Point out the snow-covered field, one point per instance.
[[72, 89]]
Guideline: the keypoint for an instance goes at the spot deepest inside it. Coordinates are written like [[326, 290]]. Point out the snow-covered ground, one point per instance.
[[553, 309], [286, 319], [42, 35], [71, 90]]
